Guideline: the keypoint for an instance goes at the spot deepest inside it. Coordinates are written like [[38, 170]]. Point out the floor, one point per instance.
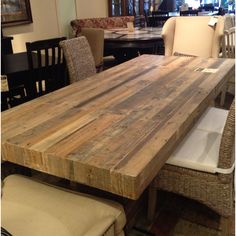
[[178, 216]]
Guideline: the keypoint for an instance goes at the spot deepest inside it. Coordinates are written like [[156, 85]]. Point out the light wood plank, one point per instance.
[[115, 130]]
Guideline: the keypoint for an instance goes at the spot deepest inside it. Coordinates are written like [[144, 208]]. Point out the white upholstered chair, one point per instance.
[[33, 208], [202, 166], [79, 58], [192, 35]]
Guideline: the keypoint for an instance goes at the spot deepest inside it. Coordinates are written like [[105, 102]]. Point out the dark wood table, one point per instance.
[[15, 63], [126, 45], [115, 130]]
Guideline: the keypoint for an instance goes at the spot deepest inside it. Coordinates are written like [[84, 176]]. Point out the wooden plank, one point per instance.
[[115, 130]]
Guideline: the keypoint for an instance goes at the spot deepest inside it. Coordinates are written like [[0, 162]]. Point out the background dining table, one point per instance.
[[115, 130], [125, 44]]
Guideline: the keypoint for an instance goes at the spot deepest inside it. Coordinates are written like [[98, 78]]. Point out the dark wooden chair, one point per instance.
[[47, 67], [158, 18], [189, 13], [11, 97]]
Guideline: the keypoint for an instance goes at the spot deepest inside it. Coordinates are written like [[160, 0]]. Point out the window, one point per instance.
[[140, 7], [129, 7]]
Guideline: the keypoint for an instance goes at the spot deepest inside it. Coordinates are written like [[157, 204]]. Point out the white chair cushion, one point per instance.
[[31, 208], [198, 151], [212, 120]]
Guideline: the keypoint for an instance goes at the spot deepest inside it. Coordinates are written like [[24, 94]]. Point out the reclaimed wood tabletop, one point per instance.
[[114, 130]]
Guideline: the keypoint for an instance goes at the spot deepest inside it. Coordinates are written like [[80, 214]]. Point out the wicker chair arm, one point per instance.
[[226, 157]]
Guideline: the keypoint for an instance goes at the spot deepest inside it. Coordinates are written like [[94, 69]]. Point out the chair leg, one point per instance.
[[222, 97], [225, 226], [152, 198]]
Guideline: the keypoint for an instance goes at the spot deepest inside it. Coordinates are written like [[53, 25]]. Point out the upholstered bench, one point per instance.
[[103, 23], [32, 208]]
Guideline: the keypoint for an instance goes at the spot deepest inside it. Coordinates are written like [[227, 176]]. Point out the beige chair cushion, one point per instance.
[[31, 208], [95, 38]]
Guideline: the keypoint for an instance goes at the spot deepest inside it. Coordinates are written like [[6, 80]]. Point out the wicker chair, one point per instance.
[[214, 187], [79, 58]]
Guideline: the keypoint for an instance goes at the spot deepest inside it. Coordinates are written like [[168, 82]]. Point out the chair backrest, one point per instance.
[[47, 66], [189, 13], [226, 155], [95, 38], [160, 13], [79, 58], [228, 43], [192, 35]]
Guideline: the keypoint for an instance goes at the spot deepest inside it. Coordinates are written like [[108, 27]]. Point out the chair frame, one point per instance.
[[47, 67], [228, 44]]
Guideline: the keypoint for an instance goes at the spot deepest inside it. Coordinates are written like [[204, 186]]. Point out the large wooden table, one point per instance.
[[115, 130]]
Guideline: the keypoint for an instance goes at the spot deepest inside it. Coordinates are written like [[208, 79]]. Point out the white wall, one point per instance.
[[66, 13], [50, 19], [91, 8], [44, 25]]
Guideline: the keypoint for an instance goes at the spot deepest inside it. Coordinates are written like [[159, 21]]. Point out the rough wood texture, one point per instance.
[[115, 130]]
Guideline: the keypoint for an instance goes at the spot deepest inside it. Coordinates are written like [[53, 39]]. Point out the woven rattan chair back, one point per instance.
[[228, 44], [79, 58]]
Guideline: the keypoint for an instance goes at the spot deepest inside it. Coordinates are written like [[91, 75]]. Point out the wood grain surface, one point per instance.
[[115, 130]]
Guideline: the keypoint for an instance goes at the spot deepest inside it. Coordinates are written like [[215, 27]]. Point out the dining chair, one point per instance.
[[202, 166], [95, 39], [193, 36], [189, 13], [47, 66], [11, 96], [79, 58], [228, 44], [34, 208], [158, 18]]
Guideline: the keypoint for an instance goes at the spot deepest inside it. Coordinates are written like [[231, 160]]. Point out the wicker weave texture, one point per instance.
[[203, 187], [226, 159], [79, 58], [214, 190]]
